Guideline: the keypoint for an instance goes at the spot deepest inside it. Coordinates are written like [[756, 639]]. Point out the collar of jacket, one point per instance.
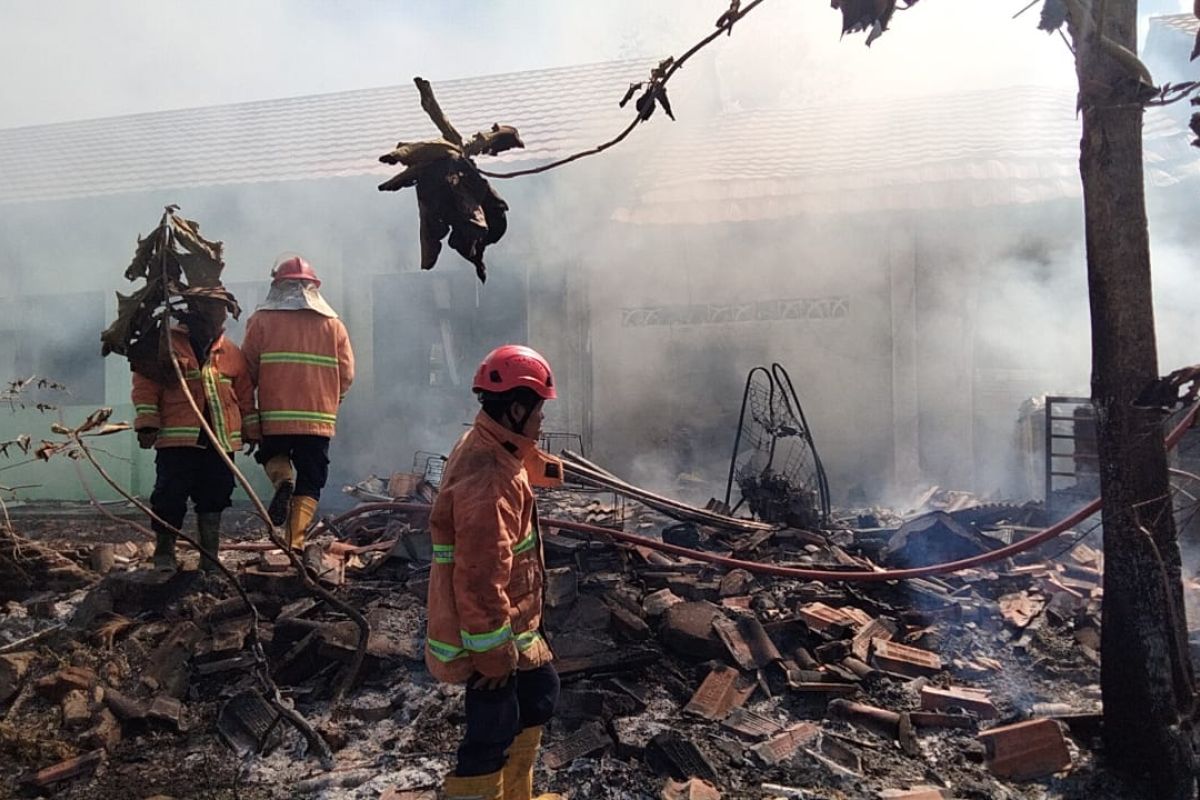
[[513, 444]]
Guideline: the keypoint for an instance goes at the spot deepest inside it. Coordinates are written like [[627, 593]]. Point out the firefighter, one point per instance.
[[485, 586], [301, 362], [186, 464]]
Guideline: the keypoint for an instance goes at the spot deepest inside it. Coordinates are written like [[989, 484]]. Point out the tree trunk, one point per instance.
[[1146, 674]]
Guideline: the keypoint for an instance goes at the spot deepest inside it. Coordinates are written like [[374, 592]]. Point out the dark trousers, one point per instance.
[[308, 454], [495, 717], [197, 473]]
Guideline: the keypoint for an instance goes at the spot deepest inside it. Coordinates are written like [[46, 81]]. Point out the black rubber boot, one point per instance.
[[209, 538], [164, 551], [280, 502]]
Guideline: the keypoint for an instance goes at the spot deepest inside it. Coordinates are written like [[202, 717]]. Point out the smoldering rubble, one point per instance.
[[681, 678]]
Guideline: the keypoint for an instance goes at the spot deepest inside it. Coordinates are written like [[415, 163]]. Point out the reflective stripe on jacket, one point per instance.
[[222, 388], [485, 584], [303, 366]]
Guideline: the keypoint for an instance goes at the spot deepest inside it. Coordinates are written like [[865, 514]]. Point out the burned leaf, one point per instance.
[[452, 196], [726, 20], [416, 154], [1054, 15], [867, 15], [200, 270], [178, 264], [633, 89]]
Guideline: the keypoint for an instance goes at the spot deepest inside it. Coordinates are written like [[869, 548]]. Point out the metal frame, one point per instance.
[[778, 380], [1054, 413]]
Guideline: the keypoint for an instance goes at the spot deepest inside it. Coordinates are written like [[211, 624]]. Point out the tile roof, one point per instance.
[[1185, 23], [980, 148], [984, 147], [319, 136]]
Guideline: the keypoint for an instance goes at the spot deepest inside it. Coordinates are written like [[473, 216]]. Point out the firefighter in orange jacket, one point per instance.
[[485, 586], [302, 364], [186, 465]]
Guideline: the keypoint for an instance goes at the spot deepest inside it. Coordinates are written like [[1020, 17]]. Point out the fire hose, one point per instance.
[[799, 573]]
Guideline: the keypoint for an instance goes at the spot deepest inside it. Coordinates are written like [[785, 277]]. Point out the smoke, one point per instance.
[[998, 307]]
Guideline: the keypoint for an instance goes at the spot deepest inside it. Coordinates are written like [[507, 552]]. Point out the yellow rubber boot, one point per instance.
[[301, 513], [518, 769], [279, 472], [477, 787]]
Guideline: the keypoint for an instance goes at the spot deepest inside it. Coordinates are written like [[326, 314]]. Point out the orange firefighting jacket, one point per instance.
[[222, 388], [303, 366], [485, 585]]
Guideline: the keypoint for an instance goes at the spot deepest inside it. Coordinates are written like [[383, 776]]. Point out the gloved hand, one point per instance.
[[250, 446], [147, 437]]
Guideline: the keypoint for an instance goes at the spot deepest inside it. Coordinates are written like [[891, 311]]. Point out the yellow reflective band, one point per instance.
[[445, 652], [482, 642], [527, 640], [525, 544], [297, 416], [311, 359]]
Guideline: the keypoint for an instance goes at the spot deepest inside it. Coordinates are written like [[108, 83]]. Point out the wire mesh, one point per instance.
[[775, 462]]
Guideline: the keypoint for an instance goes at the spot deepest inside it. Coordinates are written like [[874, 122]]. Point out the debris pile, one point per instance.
[[680, 679]]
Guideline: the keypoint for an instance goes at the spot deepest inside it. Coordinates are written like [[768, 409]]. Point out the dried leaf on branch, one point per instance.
[[868, 15], [453, 198], [1054, 15], [178, 265]]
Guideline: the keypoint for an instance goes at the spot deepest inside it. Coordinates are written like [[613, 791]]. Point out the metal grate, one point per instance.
[[554, 442], [430, 466], [1072, 460], [775, 461]]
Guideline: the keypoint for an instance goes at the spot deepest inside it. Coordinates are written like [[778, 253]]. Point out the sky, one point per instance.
[[80, 59]]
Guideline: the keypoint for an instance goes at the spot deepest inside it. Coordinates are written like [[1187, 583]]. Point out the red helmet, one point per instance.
[[294, 268], [515, 365]]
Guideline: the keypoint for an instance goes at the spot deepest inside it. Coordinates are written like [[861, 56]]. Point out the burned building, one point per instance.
[[916, 264]]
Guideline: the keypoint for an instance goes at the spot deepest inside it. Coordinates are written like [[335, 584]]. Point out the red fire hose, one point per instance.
[[826, 575]]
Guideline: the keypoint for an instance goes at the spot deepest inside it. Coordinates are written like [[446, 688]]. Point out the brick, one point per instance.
[[691, 789], [905, 660], [168, 669], [76, 710], [166, 709], [976, 701], [735, 583], [562, 587], [55, 686], [587, 740], [66, 770], [13, 669], [722, 690], [826, 619], [671, 754], [875, 629], [782, 747], [105, 734], [687, 628], [858, 618], [750, 723], [1026, 750], [626, 625], [914, 793], [274, 561], [657, 603]]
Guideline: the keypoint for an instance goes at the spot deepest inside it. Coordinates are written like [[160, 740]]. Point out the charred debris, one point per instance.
[[683, 676]]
